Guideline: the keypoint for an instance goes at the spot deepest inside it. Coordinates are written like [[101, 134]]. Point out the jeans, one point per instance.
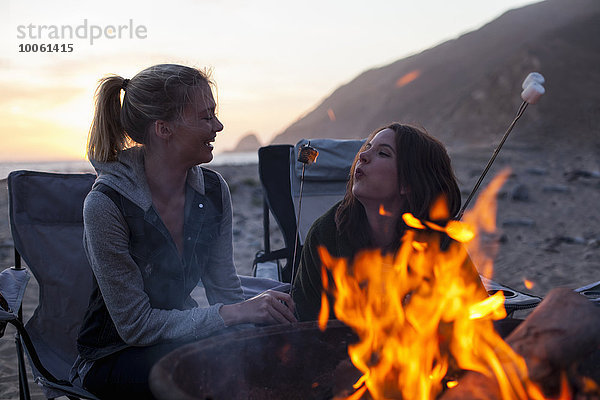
[[124, 374]]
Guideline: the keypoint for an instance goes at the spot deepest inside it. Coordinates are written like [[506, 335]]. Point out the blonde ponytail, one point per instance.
[[160, 92], [107, 136]]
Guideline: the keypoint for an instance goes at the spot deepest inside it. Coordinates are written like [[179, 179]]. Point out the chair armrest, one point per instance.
[[513, 299], [591, 291], [13, 282]]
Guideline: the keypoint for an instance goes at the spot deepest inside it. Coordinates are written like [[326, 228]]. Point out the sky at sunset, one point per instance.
[[273, 61]]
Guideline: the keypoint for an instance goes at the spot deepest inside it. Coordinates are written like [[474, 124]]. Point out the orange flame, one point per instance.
[[565, 389], [331, 114], [408, 78], [535, 393], [589, 386], [439, 209], [358, 394], [383, 212], [423, 311], [528, 284], [324, 312], [412, 221], [451, 384], [483, 215]]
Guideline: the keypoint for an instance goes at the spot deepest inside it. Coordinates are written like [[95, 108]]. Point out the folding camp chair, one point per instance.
[[324, 181], [324, 184], [46, 215], [47, 228], [273, 171], [280, 174]]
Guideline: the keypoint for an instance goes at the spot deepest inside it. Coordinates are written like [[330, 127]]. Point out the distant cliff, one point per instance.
[[247, 143], [466, 91]]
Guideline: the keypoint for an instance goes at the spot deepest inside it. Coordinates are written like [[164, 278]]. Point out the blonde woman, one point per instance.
[[155, 224]]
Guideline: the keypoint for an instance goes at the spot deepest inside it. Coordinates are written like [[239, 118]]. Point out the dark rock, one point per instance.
[[572, 239], [556, 189], [553, 243], [248, 143], [580, 173], [537, 171], [551, 249], [502, 194], [520, 193], [526, 222]]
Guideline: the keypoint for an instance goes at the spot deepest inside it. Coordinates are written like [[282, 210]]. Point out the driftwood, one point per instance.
[[557, 338]]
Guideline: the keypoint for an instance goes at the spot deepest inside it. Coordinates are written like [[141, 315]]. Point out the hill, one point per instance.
[[247, 143], [466, 91]]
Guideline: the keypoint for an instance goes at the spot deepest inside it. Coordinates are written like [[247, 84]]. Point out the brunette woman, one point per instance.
[[399, 169]]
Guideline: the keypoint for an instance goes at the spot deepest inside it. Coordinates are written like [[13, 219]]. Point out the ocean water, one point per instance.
[[84, 165]]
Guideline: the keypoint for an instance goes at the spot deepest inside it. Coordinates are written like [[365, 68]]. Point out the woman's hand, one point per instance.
[[270, 307]]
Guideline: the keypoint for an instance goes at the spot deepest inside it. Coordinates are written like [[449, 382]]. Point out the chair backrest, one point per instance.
[[325, 184], [324, 181], [273, 171], [46, 218]]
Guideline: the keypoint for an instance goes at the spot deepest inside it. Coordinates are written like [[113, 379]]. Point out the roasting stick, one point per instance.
[[306, 155], [491, 161], [532, 91]]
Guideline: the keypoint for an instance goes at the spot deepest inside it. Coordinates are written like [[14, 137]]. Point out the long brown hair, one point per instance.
[[160, 92], [424, 168]]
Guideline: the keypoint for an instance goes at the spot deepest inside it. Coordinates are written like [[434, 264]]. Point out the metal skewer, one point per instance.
[[491, 161], [306, 155], [532, 91]]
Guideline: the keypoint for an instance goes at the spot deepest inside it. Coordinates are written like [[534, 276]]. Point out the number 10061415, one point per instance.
[[45, 48]]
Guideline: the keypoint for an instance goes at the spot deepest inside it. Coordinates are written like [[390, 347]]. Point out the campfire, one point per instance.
[[413, 326], [423, 318]]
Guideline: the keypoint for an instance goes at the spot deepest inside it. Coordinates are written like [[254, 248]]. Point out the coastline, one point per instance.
[[226, 159]]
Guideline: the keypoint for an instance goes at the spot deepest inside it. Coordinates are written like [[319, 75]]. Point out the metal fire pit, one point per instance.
[[278, 362]]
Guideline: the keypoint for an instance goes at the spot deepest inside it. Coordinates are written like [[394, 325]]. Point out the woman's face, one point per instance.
[[197, 128], [376, 173]]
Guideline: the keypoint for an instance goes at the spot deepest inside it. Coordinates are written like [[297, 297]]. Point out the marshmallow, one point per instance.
[[307, 154], [533, 77], [532, 93]]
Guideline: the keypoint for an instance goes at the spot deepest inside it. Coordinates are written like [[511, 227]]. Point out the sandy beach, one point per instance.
[[548, 227]]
